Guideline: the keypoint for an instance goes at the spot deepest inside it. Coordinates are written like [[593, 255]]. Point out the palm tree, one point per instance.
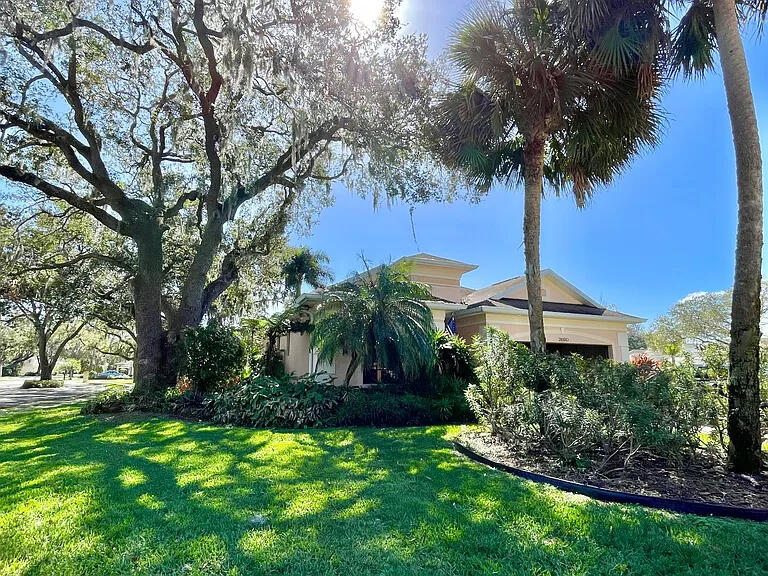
[[705, 27], [379, 317], [543, 99], [304, 265]]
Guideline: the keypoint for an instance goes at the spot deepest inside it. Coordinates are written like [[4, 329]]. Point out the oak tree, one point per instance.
[[205, 123]]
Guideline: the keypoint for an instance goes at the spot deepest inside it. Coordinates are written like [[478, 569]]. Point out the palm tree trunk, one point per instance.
[[744, 353], [353, 363], [299, 282], [533, 176]]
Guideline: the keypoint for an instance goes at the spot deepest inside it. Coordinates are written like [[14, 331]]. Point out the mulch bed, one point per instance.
[[701, 481]]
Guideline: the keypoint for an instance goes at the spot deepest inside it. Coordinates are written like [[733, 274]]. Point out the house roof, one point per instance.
[[522, 304], [511, 285], [496, 297], [519, 306]]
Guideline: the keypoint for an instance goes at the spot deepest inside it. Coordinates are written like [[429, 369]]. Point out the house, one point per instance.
[[573, 322]]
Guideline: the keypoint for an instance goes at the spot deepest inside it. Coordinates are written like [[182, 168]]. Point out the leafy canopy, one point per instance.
[[208, 126]]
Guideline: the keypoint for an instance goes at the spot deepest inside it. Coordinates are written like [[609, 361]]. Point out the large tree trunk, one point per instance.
[[533, 176], [44, 364], [191, 308], [152, 371], [744, 354]]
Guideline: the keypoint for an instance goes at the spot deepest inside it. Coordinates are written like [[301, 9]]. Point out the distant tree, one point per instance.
[[49, 302], [379, 317], [306, 266], [545, 98], [68, 367], [17, 345], [636, 337], [196, 130], [700, 318], [54, 299]]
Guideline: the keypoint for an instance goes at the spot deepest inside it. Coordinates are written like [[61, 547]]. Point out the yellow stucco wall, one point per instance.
[[556, 330], [295, 348], [443, 280], [551, 291], [296, 353]]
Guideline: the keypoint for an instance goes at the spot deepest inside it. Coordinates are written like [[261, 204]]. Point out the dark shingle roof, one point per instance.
[[548, 306]]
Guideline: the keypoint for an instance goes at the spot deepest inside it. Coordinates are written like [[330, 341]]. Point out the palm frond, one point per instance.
[[694, 42], [381, 317]]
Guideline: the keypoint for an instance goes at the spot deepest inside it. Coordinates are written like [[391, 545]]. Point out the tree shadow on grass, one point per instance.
[[128, 494]]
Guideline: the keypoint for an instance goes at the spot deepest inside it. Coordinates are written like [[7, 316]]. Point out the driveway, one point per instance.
[[12, 396]]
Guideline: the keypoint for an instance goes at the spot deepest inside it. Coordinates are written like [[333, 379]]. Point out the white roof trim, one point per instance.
[[311, 296], [431, 259], [440, 305]]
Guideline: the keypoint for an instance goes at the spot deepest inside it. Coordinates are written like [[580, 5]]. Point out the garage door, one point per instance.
[[585, 350]]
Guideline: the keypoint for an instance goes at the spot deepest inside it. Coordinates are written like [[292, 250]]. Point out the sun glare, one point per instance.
[[366, 11]]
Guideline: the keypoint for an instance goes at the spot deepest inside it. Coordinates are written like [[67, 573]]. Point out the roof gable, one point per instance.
[[555, 288]]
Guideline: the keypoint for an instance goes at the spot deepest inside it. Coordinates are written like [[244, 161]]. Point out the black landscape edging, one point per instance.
[[682, 506]]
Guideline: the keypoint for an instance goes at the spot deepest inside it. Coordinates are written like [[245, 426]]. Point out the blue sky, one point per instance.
[[664, 229]]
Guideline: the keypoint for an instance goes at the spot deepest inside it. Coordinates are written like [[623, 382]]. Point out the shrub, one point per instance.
[[646, 366], [109, 402], [498, 396], [582, 408], [289, 402], [266, 401], [380, 406], [453, 357], [211, 357], [42, 384], [189, 404], [566, 426], [13, 370]]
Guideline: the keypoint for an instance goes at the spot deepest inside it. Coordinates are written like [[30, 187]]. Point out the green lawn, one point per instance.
[[131, 495]]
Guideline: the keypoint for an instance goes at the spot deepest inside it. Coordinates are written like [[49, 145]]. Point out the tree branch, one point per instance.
[[66, 341], [259, 246], [81, 23], [82, 257], [52, 191], [296, 151]]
